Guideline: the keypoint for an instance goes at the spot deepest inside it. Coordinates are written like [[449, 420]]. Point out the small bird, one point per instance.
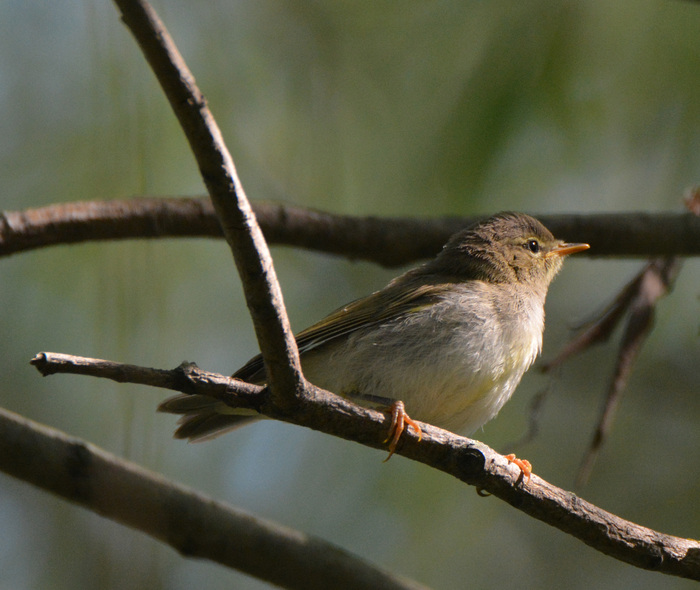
[[445, 343]]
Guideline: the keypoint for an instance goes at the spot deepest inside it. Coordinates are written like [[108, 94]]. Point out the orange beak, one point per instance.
[[566, 249]]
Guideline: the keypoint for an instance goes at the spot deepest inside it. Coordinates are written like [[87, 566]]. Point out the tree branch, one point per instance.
[[262, 291], [466, 459], [190, 522], [390, 241]]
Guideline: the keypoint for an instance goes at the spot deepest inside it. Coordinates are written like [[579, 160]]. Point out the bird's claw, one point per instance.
[[399, 421], [524, 465]]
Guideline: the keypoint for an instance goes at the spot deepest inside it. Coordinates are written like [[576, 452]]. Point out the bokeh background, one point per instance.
[[364, 107]]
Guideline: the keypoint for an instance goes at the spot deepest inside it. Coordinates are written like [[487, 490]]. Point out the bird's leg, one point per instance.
[[399, 418], [524, 464]]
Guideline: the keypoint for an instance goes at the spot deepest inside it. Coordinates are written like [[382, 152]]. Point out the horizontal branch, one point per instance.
[[391, 241], [190, 522], [466, 459]]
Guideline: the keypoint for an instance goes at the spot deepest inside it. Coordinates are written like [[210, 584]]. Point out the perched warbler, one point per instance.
[[445, 343]]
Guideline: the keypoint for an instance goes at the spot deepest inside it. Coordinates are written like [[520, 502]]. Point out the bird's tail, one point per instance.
[[204, 418]]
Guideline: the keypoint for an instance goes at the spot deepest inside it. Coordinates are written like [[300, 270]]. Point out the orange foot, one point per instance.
[[524, 464], [399, 420]]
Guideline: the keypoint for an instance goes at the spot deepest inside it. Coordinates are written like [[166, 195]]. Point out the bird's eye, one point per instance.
[[533, 246]]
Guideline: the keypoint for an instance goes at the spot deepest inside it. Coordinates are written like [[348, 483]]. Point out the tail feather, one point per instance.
[[187, 404], [206, 426], [204, 418]]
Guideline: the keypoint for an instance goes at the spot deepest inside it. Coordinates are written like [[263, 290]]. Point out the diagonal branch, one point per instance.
[[468, 460], [240, 228], [655, 281], [190, 522]]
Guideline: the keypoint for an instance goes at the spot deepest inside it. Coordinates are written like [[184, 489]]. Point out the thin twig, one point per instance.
[[639, 298], [654, 282], [468, 460], [600, 329]]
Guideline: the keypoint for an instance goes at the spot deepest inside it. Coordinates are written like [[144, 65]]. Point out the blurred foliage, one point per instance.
[[369, 107]]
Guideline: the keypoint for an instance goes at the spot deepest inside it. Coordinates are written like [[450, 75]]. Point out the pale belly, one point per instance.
[[455, 373]]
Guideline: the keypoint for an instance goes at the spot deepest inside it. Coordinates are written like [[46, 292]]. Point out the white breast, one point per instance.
[[454, 364]]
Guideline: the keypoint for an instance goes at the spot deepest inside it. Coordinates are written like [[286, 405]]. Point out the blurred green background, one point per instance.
[[364, 107]]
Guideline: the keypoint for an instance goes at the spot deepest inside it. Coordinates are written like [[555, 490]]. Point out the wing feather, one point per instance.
[[385, 305]]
